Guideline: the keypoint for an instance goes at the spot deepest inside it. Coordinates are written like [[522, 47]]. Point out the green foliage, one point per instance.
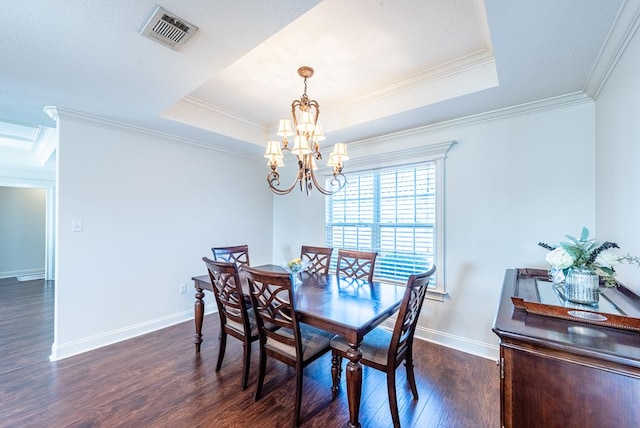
[[584, 253]]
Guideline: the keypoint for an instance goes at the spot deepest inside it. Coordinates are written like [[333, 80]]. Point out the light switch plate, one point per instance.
[[76, 225]]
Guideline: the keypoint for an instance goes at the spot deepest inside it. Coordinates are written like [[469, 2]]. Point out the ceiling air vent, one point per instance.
[[168, 29]]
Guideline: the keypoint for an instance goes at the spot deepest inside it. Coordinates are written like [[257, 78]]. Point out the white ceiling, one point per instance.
[[380, 66]]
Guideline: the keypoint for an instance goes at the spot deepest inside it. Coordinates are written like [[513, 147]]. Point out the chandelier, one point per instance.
[[306, 147]]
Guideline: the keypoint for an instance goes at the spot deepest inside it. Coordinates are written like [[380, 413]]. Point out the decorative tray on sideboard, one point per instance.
[[535, 293]]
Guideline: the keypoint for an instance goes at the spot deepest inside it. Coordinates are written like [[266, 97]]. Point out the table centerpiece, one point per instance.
[[582, 264]]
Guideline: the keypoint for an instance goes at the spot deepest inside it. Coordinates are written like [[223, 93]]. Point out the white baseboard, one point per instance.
[[22, 278], [69, 349], [21, 272], [464, 344], [481, 349]]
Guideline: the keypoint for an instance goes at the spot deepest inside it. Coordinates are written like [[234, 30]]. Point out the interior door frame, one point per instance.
[[50, 212]]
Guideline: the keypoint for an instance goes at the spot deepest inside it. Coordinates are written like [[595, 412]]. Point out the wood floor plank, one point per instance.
[[157, 380]]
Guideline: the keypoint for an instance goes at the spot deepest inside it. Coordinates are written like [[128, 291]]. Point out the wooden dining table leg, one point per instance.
[[354, 384], [198, 309]]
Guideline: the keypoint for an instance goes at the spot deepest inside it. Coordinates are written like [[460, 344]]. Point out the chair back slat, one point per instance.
[[408, 315], [356, 264], [239, 255], [272, 299], [317, 259], [227, 290]]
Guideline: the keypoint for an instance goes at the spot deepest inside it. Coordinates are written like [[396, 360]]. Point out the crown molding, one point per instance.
[[428, 88], [624, 28], [523, 109], [399, 157], [201, 114], [465, 64], [220, 112], [57, 113], [533, 107]]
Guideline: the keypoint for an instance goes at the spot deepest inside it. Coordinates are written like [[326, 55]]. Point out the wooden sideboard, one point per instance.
[[562, 373]]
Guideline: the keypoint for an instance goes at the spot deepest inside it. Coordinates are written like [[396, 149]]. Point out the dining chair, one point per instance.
[[385, 350], [238, 254], [356, 264], [293, 343], [317, 259], [235, 319]]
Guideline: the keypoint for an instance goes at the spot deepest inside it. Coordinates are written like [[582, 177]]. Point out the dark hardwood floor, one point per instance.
[[26, 323], [157, 380]]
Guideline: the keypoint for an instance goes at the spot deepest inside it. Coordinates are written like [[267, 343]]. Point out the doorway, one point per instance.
[[30, 344], [22, 210]]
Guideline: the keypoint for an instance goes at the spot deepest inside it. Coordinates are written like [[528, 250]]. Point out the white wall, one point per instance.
[[22, 231], [151, 208], [618, 160], [298, 220], [510, 183]]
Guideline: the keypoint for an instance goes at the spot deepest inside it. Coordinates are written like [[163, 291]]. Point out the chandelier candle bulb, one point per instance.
[[306, 147], [305, 124], [284, 128], [273, 150], [340, 151], [301, 146], [318, 134], [275, 161]]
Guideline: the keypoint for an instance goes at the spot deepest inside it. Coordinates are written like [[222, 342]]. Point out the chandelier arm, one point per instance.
[[273, 179], [314, 103], [294, 104], [339, 178], [316, 109]]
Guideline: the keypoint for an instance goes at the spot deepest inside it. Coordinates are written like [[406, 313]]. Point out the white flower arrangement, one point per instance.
[[585, 253]]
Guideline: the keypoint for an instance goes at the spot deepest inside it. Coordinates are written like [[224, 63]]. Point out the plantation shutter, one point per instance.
[[391, 211]]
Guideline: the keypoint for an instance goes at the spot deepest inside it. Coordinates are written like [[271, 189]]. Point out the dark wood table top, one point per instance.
[[348, 307]]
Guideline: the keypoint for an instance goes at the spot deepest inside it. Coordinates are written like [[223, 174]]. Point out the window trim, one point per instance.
[[413, 156]]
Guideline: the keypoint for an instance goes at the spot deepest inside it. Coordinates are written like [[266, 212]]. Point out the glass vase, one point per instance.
[[582, 286], [295, 277], [556, 275]]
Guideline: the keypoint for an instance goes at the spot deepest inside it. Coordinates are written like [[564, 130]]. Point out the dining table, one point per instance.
[[348, 307]]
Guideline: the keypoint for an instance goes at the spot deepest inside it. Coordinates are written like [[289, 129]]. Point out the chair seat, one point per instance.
[[374, 347], [252, 323], [314, 341], [240, 329]]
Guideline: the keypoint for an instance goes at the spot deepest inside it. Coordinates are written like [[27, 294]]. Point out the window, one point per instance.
[[395, 209]]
